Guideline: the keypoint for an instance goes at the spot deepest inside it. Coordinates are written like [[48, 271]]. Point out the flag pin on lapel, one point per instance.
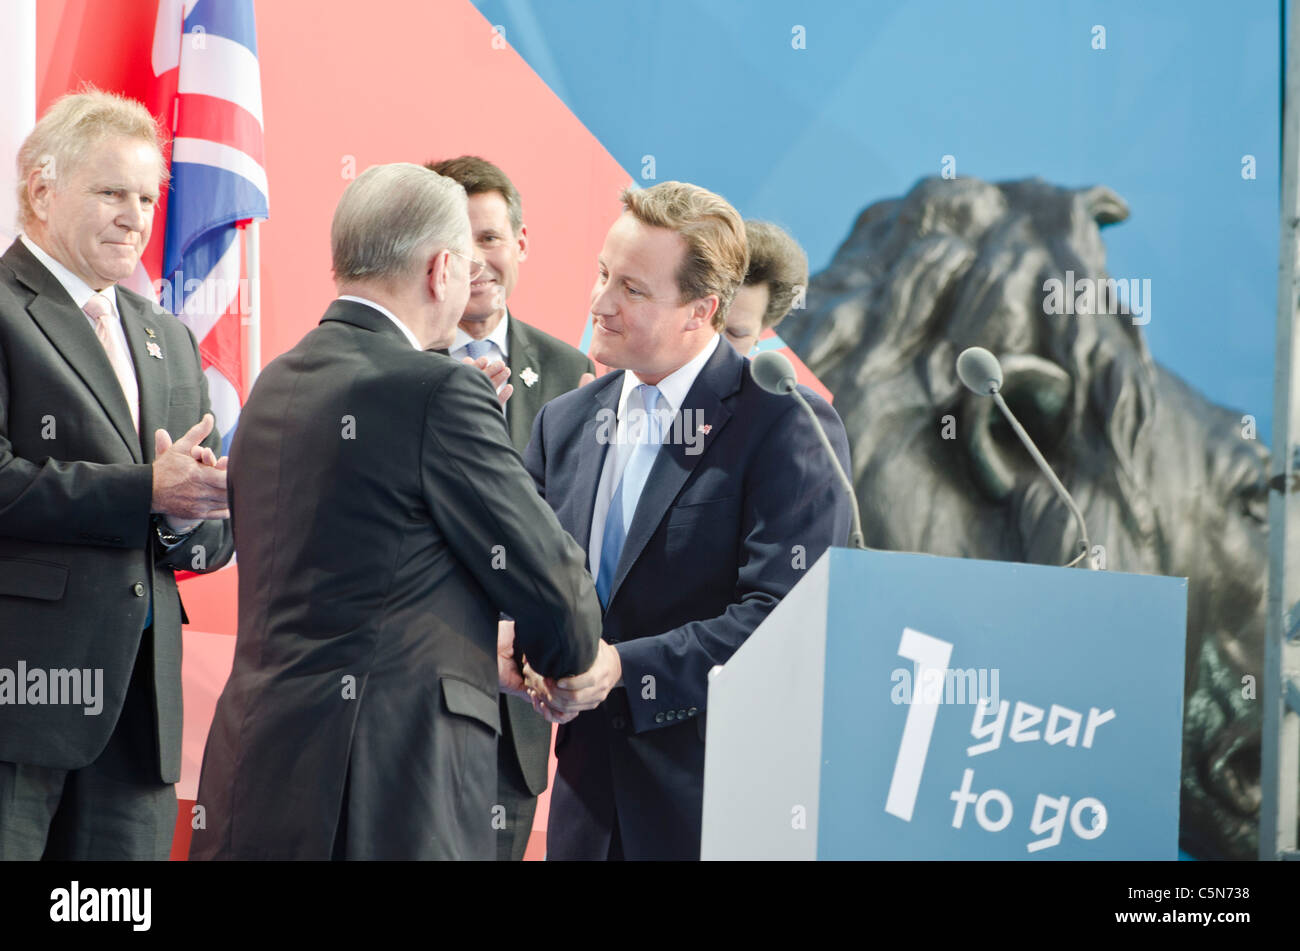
[[529, 376], [154, 350]]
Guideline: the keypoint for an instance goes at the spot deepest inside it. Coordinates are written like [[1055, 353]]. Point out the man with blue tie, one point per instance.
[[700, 498]]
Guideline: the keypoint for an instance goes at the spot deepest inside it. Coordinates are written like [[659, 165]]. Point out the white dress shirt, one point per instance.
[[497, 338], [672, 393], [406, 331], [81, 292]]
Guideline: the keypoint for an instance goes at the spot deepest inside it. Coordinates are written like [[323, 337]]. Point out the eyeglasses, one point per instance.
[[476, 266]]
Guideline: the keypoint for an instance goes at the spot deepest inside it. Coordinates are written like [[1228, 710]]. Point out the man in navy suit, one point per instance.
[[700, 499]]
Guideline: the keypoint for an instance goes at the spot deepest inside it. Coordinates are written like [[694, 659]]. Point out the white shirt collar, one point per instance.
[[406, 331], [497, 336], [674, 387], [77, 289]]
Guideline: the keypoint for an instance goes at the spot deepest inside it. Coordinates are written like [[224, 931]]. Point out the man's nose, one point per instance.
[[602, 302], [133, 215]]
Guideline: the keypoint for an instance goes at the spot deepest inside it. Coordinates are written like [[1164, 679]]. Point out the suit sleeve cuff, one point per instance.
[[655, 699]]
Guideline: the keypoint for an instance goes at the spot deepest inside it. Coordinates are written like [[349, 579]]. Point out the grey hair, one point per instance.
[[390, 216], [69, 131]]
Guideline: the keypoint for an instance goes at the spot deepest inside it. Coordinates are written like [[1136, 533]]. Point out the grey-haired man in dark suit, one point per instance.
[[384, 523]]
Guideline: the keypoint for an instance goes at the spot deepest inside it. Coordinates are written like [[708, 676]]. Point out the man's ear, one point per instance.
[[702, 312], [40, 189], [522, 238], [438, 274]]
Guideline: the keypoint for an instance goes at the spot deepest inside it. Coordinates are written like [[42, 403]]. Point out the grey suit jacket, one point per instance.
[[80, 563], [557, 367], [383, 522]]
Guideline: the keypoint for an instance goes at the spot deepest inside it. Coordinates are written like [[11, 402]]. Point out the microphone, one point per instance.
[[774, 373], [980, 371]]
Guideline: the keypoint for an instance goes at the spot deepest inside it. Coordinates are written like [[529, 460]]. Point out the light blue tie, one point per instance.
[[623, 505], [480, 348]]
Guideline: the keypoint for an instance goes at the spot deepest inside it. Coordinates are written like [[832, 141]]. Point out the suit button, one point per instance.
[[138, 588], [692, 711], [681, 714], [617, 722], [659, 717], [672, 714]]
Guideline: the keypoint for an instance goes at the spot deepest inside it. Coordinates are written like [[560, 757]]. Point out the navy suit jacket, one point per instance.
[[733, 512]]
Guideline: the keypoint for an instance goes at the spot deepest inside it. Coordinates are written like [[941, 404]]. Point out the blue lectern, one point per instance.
[[902, 706]]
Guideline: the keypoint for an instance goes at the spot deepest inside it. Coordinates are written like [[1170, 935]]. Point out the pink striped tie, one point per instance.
[[100, 311]]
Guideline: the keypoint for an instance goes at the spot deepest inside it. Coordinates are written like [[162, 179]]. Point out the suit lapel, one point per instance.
[[149, 371], [69, 330], [522, 407], [703, 406], [597, 433]]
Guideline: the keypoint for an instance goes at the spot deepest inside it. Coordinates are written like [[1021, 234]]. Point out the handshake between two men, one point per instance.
[[372, 584], [558, 701]]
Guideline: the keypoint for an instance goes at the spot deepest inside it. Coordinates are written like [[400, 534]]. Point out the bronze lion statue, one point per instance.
[[1168, 482]]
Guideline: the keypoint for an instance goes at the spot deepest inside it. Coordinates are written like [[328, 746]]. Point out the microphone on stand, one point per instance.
[[774, 373], [982, 374]]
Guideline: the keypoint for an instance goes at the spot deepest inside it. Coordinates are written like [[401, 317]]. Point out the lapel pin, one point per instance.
[[154, 350], [529, 376], [149, 331], [705, 428]]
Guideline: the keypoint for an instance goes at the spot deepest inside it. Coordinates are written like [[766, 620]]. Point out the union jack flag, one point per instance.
[[208, 82]]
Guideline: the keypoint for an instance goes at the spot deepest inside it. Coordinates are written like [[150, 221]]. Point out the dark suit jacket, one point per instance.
[[383, 521], [558, 367], [525, 735], [79, 558], [718, 538]]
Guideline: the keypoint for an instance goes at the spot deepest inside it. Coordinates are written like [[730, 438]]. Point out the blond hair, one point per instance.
[[69, 131], [717, 254]]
